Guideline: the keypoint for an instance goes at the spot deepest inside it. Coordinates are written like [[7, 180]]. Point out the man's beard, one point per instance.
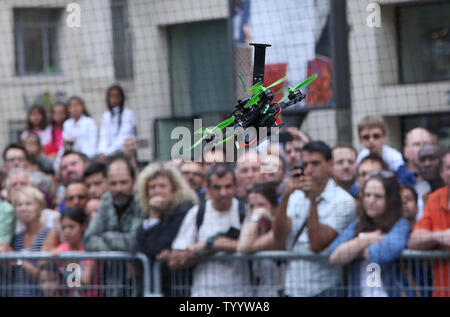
[[121, 199]]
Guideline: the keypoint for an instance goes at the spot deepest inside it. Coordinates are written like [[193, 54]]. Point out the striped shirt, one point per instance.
[[23, 285]]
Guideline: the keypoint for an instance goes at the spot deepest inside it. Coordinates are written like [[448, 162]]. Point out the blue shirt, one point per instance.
[[383, 253]]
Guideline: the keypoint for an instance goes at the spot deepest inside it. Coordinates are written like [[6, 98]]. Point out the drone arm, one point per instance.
[[298, 96]]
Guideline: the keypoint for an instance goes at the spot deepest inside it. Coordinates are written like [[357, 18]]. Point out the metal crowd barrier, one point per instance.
[[264, 274], [261, 274], [75, 274]]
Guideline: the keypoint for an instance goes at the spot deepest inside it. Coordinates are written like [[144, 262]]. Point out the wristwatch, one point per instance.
[[19, 262], [209, 243], [255, 217]]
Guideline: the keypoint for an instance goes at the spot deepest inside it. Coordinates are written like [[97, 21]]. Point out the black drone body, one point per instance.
[[258, 110]]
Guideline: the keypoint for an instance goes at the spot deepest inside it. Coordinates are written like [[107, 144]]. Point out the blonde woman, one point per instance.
[[165, 198], [28, 203]]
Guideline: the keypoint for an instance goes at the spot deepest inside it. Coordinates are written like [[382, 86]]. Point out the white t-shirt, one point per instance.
[[390, 156], [218, 278], [112, 138], [45, 135], [83, 132], [336, 209], [422, 187]]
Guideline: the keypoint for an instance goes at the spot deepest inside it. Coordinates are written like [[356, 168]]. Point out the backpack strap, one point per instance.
[[242, 211], [200, 214], [297, 235], [202, 208]]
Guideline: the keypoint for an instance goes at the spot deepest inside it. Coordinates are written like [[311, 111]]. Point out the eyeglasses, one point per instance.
[[375, 136], [427, 158], [12, 159]]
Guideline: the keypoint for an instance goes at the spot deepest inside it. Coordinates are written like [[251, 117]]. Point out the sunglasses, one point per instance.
[[375, 136], [18, 159], [427, 157]]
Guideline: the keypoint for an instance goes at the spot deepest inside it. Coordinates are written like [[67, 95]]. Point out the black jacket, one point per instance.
[[153, 240], [159, 237]]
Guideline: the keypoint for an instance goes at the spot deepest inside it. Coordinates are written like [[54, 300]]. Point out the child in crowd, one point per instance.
[[372, 135], [117, 122], [37, 124], [59, 115], [73, 225], [51, 281], [80, 130]]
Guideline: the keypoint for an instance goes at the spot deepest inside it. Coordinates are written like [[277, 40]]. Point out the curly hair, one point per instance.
[[182, 191]]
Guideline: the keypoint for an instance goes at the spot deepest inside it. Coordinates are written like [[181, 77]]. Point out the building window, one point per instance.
[[122, 43], [36, 38], [201, 79], [424, 42], [201, 68]]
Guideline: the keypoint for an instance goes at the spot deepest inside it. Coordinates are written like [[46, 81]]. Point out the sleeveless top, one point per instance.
[[24, 286]]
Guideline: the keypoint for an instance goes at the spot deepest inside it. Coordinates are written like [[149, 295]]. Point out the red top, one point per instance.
[[89, 293], [52, 148], [436, 217]]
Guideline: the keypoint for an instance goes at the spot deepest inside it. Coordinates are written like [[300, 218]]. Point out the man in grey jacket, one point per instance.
[[115, 225], [119, 216]]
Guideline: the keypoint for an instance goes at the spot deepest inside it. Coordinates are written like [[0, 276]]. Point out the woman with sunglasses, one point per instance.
[[372, 243]]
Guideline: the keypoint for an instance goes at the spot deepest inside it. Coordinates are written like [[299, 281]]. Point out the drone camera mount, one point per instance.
[[259, 62]]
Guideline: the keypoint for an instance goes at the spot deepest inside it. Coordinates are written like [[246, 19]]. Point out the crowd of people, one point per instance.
[[64, 191]]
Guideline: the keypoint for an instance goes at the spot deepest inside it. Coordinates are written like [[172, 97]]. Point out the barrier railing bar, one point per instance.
[[109, 255]]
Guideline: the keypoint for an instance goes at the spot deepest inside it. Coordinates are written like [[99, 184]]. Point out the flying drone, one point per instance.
[[257, 110]]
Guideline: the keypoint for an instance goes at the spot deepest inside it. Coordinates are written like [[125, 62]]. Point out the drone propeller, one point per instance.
[[280, 91], [279, 81], [200, 131], [257, 89], [228, 138], [303, 84], [220, 126], [225, 123]]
